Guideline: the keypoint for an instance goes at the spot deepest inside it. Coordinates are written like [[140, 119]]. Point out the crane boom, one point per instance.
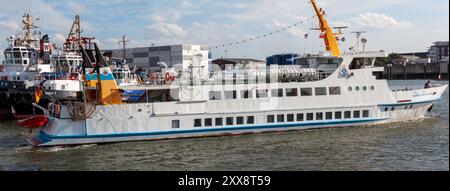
[[331, 43]]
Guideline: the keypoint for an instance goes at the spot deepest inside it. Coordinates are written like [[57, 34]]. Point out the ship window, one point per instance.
[[306, 91], [321, 91], [357, 88], [337, 115], [247, 94], [208, 122], [230, 95], [230, 121], [292, 92], [319, 116], [197, 123], [215, 96], [270, 119], [393, 109], [372, 88], [366, 113], [219, 121], [329, 115], [175, 124], [310, 116], [348, 115], [386, 109], [261, 94], [350, 89], [364, 88], [290, 118], [277, 93], [63, 87], [8, 55], [300, 117], [335, 90], [250, 120], [239, 120], [280, 118], [17, 55], [356, 114]]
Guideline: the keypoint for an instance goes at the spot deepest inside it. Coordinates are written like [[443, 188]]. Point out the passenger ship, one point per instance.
[[195, 104]]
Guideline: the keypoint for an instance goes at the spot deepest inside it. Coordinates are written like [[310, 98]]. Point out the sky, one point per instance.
[[391, 25]]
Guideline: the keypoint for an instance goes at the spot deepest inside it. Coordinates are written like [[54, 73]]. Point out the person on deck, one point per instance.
[[428, 85]]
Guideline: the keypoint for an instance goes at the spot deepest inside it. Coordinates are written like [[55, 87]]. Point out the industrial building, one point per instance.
[[151, 58]]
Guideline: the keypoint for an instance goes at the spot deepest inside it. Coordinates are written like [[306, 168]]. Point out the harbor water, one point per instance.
[[418, 145]]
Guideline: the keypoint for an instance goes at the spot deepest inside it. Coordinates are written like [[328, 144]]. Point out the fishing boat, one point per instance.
[[190, 103]]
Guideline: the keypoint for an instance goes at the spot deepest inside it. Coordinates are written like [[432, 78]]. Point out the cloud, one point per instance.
[[294, 32], [168, 29], [379, 21], [59, 38], [9, 25]]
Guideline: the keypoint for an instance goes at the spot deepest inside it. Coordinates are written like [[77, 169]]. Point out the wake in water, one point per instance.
[[27, 149]]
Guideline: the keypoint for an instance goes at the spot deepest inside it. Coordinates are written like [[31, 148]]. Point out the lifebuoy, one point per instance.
[[167, 77], [172, 77], [153, 77]]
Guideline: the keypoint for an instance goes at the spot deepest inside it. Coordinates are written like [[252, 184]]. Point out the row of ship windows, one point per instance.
[[364, 88], [264, 93], [282, 118]]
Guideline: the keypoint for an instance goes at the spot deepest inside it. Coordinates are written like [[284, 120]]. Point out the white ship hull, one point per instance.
[[169, 120]]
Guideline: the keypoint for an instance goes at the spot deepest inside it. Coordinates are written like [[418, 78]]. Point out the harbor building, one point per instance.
[[151, 58], [226, 64]]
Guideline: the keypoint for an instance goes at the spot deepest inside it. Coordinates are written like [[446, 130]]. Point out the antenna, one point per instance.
[[359, 40], [124, 42]]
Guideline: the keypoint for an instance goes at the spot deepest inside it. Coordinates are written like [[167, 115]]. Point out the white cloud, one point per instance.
[[9, 25], [294, 32], [59, 38], [379, 21], [168, 29]]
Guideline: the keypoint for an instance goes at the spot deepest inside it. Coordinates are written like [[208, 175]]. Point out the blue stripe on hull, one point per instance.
[[242, 128]]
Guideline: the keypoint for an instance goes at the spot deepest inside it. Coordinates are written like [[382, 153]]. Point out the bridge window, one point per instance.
[[277, 93], [321, 91], [262, 94], [215, 95], [306, 91], [335, 90], [247, 94], [292, 92], [230, 95]]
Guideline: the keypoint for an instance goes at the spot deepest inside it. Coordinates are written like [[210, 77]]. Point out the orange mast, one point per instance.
[[327, 32]]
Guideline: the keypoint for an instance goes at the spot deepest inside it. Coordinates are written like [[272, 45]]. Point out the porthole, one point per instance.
[[357, 88], [372, 88], [350, 89], [365, 88], [386, 109], [393, 109]]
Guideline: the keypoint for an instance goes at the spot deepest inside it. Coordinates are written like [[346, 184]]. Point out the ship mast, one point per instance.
[[329, 37]]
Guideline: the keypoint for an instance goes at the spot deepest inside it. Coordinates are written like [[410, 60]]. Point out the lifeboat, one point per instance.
[[33, 122]]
